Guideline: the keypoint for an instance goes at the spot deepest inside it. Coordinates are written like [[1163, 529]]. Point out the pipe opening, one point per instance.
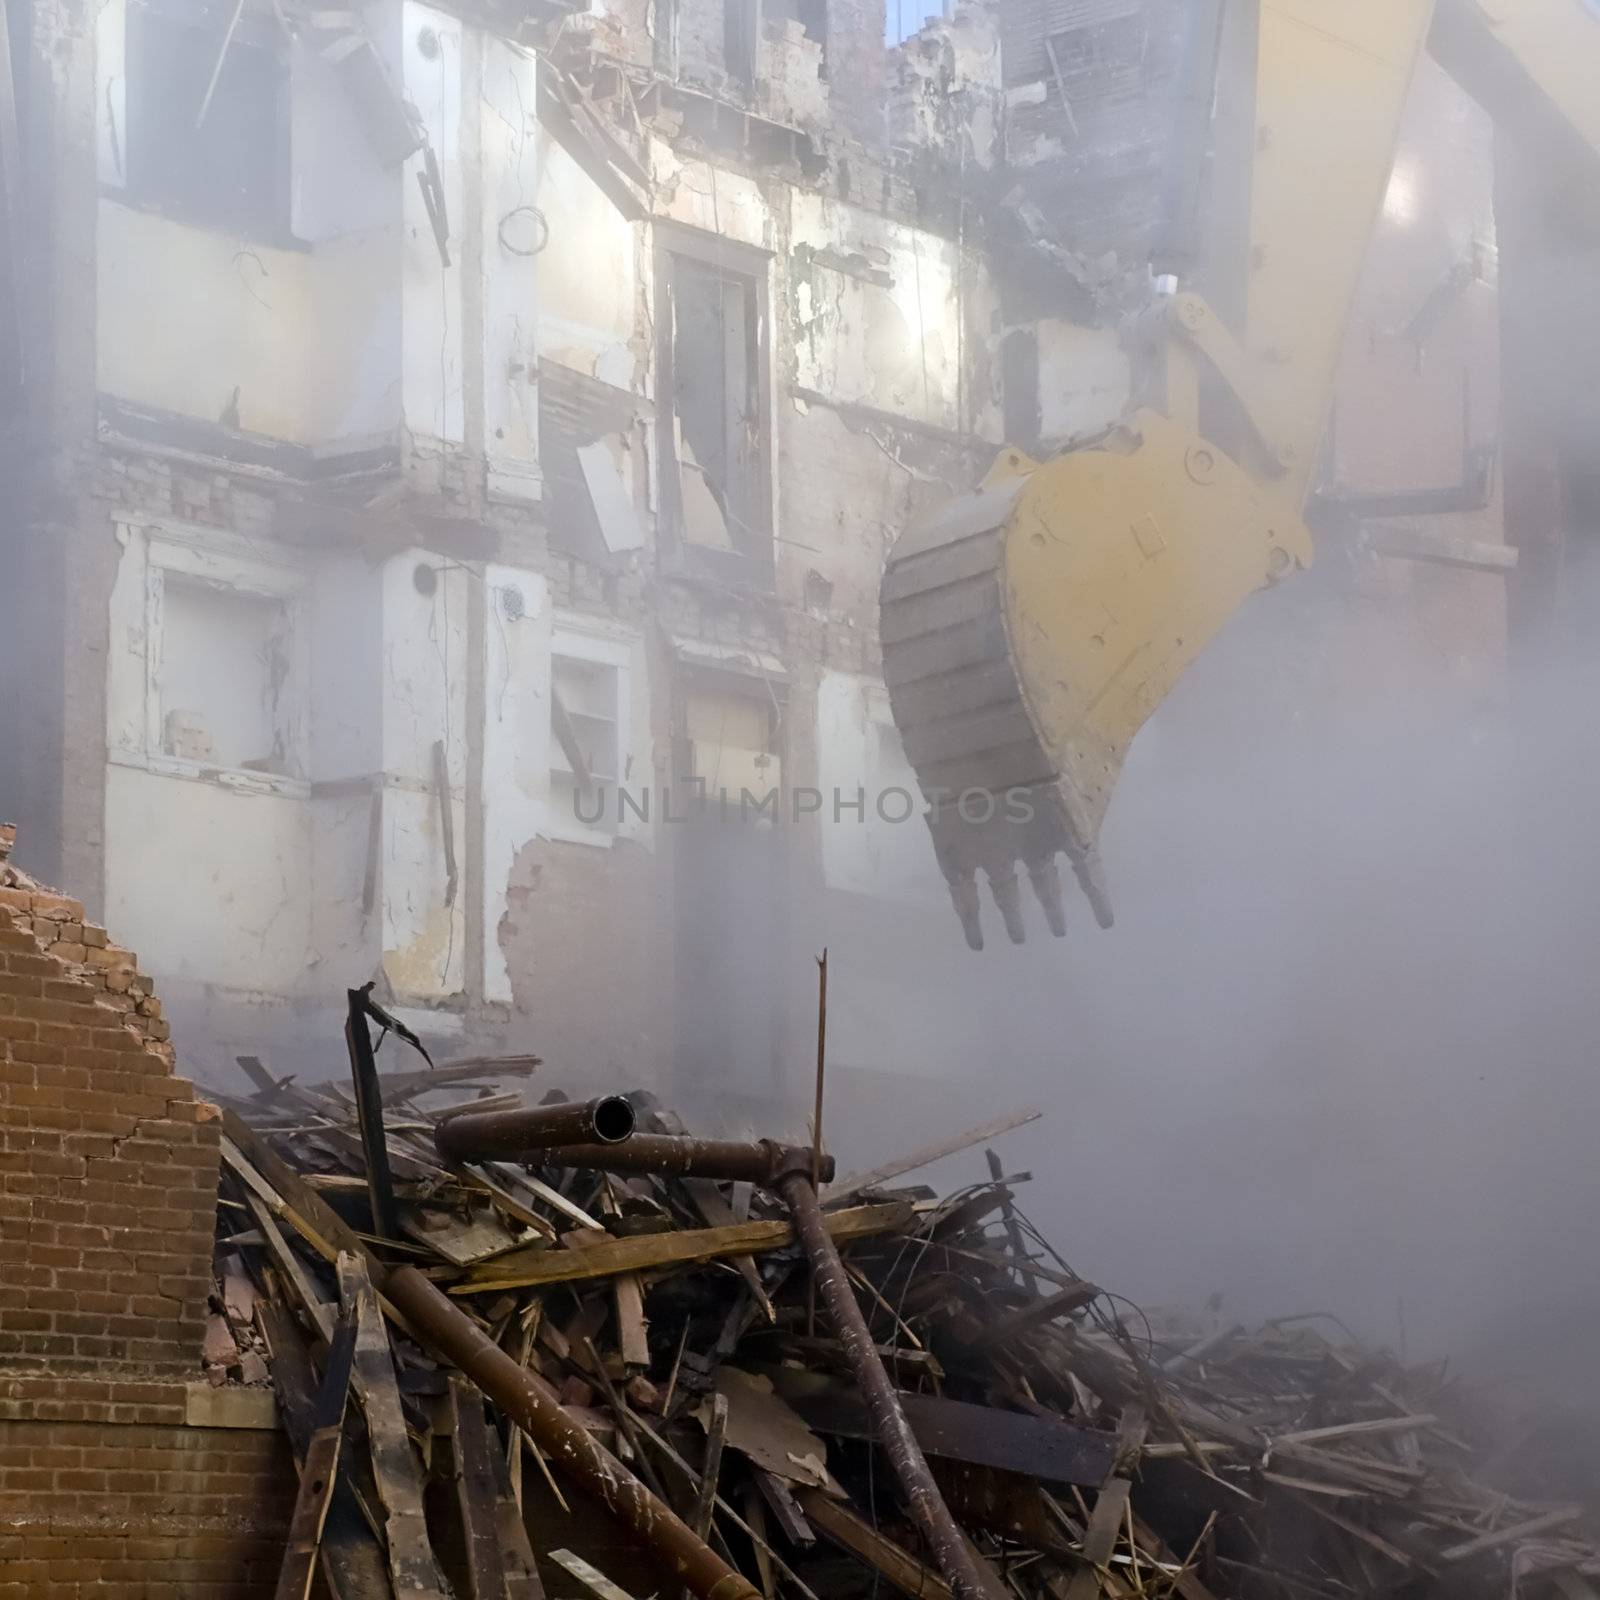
[[613, 1119]]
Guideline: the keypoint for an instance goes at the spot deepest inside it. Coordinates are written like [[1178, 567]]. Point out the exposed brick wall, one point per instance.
[[108, 1186], [106, 1491], [109, 1165]]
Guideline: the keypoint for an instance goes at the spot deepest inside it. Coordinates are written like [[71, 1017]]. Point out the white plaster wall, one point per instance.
[[1085, 380], [111, 92], [208, 877], [701, 195], [430, 291], [209, 885], [337, 184], [512, 236], [346, 761], [898, 349], [588, 285], [516, 743], [186, 315], [871, 853], [423, 699]]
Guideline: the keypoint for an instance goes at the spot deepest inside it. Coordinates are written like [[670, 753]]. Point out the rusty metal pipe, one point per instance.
[[892, 1431], [762, 1163], [504, 1135], [686, 1559]]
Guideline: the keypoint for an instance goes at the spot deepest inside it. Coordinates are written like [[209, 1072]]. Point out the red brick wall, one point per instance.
[[108, 1175], [107, 1492], [108, 1186]]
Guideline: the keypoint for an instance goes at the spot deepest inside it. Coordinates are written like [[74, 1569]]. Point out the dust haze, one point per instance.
[[1338, 1053]]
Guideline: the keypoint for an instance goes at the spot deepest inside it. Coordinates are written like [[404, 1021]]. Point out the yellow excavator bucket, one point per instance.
[[1030, 629]]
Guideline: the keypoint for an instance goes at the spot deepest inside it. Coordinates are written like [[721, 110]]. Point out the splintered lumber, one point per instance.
[[890, 1561], [319, 1469], [412, 1566], [836, 1194], [313, 1218], [1288, 1461], [526, 1401], [1375, 1428], [524, 1269], [1518, 1533]]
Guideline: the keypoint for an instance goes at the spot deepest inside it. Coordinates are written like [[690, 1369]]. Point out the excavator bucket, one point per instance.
[[1030, 629]]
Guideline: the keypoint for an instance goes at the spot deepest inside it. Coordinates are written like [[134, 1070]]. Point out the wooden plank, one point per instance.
[[1374, 1428], [1516, 1534], [475, 1490], [319, 1469], [595, 1581], [755, 1510], [895, 1565], [985, 1436], [1046, 1309], [847, 1188], [352, 1561], [412, 1567], [516, 1549], [477, 1178], [711, 1473], [783, 1505], [551, 1197], [312, 1217], [1105, 1522], [633, 1331], [289, 1264], [687, 1247]]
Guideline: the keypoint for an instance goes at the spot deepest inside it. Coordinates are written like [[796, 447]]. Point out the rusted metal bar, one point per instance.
[[892, 1431], [669, 1155], [502, 1135], [369, 1118], [685, 1558]]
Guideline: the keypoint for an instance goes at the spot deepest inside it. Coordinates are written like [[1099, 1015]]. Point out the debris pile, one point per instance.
[[572, 1351]]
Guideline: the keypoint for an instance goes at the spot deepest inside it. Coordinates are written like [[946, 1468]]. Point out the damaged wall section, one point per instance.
[[106, 1218]]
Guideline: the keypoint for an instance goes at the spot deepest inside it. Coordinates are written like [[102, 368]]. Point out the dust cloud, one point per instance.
[[1339, 1052]]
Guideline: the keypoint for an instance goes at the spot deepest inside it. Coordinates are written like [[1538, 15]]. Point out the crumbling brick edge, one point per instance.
[[119, 1471]]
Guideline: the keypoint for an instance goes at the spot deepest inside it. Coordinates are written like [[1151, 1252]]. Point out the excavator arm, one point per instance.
[[1030, 630]]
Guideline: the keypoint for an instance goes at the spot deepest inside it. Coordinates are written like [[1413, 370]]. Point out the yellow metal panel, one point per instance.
[[1332, 81], [1120, 566]]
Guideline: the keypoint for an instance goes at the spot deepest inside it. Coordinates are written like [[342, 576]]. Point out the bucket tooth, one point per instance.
[[1091, 875], [1003, 886], [1045, 876], [964, 897]]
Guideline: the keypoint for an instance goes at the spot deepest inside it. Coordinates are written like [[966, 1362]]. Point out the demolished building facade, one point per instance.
[[461, 447]]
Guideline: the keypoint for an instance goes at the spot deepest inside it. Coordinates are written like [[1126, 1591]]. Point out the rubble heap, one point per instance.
[[572, 1352]]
